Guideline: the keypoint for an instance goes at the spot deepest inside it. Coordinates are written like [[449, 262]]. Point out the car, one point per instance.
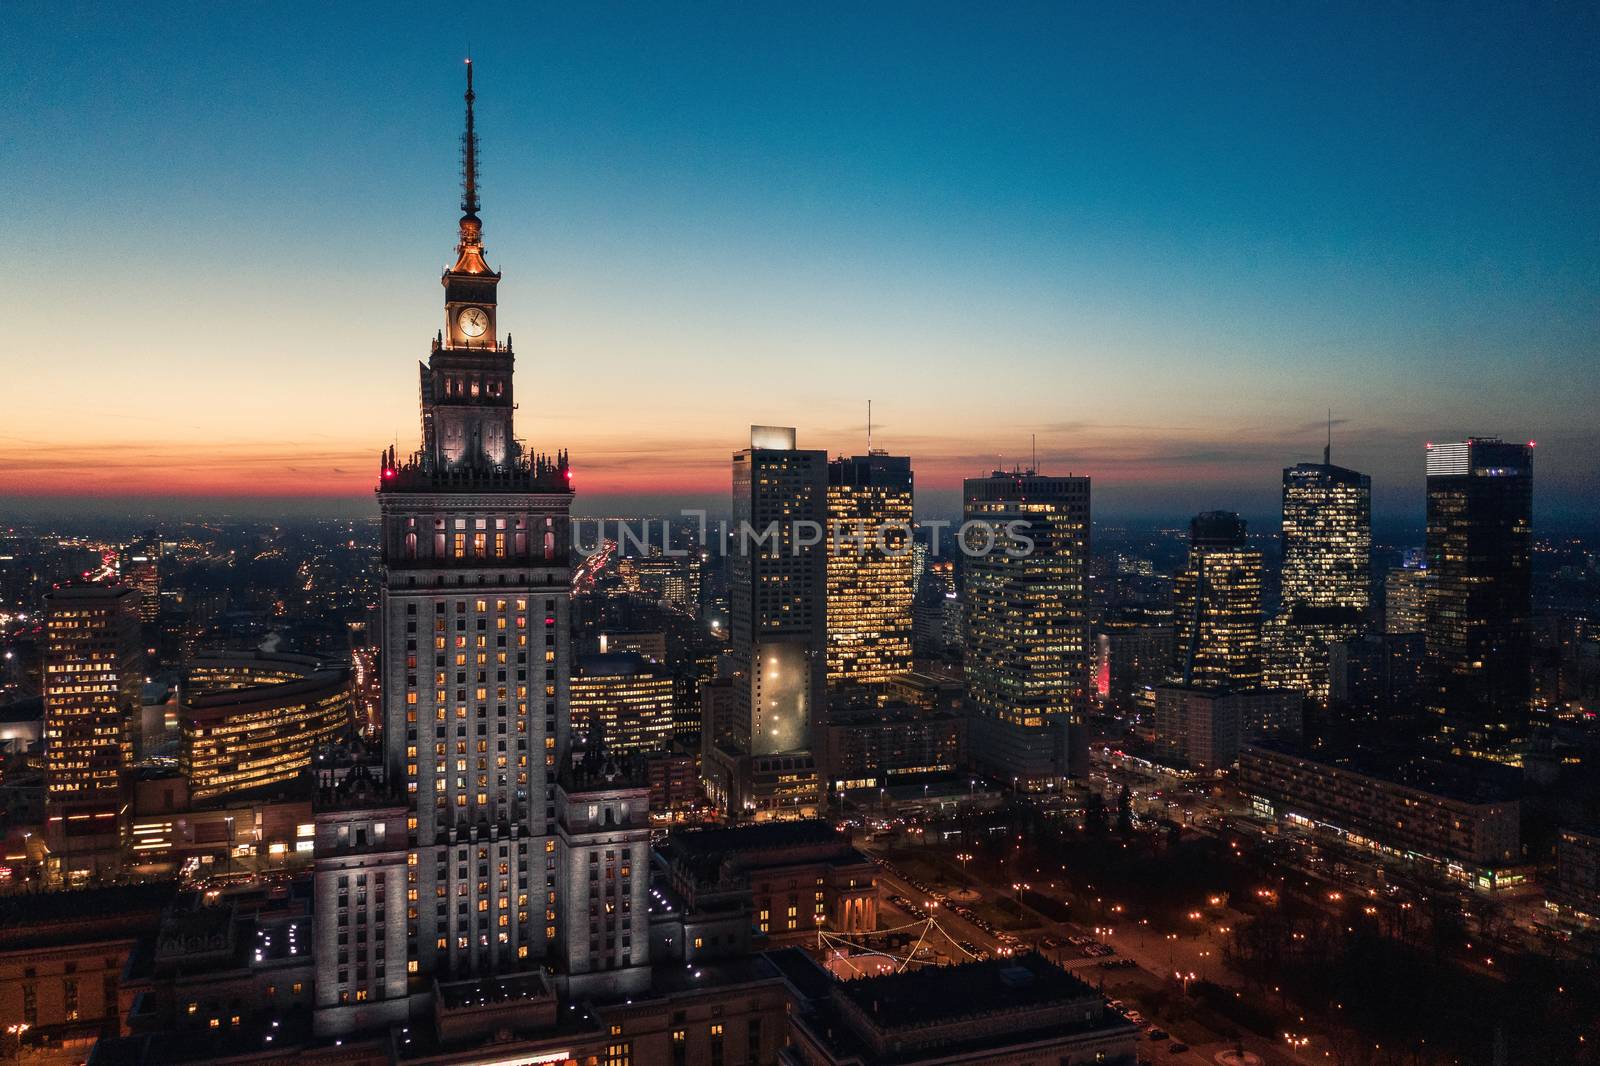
[[1177, 1047], [1159, 1034]]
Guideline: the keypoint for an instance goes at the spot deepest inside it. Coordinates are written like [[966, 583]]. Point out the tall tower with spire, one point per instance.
[[466, 386], [475, 644]]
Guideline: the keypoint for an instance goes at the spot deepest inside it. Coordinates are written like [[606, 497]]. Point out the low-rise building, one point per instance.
[[797, 876], [1203, 728], [675, 794], [1023, 1009], [1462, 818], [62, 956], [872, 747], [254, 830], [762, 788]]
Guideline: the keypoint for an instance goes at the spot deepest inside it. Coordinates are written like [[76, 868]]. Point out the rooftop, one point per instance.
[[59, 918], [948, 993], [616, 664], [760, 837]]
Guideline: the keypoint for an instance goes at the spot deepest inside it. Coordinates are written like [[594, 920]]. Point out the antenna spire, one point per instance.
[[869, 427], [1327, 449], [469, 155], [1035, 438], [469, 248]]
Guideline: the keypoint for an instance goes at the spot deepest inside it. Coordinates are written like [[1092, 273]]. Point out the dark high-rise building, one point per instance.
[[758, 759], [1479, 598], [1134, 655], [475, 642], [93, 672], [1327, 546], [1025, 596], [1217, 606], [870, 586], [777, 578], [936, 611], [1374, 677]]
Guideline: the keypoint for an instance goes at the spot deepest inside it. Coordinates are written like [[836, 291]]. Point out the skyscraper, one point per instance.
[[1327, 545], [141, 569], [93, 672], [758, 758], [870, 586], [1405, 599], [475, 640], [624, 698], [1217, 600], [777, 577], [1027, 628], [1479, 598]]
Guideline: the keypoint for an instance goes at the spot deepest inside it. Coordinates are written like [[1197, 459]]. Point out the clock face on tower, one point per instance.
[[472, 321]]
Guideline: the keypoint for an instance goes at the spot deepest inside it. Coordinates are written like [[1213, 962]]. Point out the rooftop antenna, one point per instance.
[[469, 153], [1035, 453], [869, 427], [1327, 449]]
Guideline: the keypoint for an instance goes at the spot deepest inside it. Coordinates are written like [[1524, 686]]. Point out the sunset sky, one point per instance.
[[1164, 239]]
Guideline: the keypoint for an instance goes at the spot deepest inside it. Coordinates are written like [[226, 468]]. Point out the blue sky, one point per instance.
[[1163, 238]]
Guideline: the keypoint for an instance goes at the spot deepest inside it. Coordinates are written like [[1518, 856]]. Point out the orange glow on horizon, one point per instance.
[[691, 470]]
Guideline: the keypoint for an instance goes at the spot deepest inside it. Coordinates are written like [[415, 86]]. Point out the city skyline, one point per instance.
[[1079, 222], [1170, 745]]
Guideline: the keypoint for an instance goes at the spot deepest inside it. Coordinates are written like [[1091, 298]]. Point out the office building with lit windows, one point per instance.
[[870, 585], [93, 674], [1479, 598], [1217, 606], [1405, 599], [1326, 584], [256, 719], [141, 569], [623, 698], [1026, 621], [1457, 816]]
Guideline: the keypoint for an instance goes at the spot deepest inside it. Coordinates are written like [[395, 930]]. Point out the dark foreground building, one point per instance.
[[1479, 595], [1022, 1009]]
